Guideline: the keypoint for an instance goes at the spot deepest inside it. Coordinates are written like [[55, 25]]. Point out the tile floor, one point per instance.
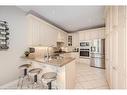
[[89, 77]]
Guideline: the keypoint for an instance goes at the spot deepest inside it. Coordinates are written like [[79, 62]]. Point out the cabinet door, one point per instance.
[[107, 58], [122, 47], [34, 31], [114, 58], [87, 35], [75, 39], [65, 38], [51, 36], [94, 34], [114, 16], [117, 34], [101, 33], [81, 36], [70, 75], [61, 36], [107, 19], [48, 35], [41, 33]]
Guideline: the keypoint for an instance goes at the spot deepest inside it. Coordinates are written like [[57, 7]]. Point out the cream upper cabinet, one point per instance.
[[81, 36], [34, 31], [62, 37], [48, 36], [107, 21], [90, 34], [42, 33], [75, 39], [59, 37], [101, 33], [65, 38], [114, 11]]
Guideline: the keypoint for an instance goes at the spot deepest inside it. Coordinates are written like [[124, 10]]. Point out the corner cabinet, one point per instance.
[[41, 33]]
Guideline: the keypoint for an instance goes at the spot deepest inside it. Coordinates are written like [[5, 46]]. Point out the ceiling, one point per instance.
[[69, 18]]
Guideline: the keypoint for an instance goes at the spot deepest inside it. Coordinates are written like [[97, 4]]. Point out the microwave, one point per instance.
[[84, 44]]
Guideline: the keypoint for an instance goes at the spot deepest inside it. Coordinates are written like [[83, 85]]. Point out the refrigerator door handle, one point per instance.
[[91, 49], [94, 49]]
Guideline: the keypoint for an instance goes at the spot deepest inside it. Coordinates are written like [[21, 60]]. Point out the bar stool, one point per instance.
[[35, 72], [25, 75], [49, 77]]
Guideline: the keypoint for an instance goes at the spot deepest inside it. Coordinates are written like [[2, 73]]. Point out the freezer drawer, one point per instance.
[[97, 62]]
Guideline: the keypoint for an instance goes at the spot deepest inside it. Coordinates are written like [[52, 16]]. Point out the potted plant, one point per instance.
[[26, 53]]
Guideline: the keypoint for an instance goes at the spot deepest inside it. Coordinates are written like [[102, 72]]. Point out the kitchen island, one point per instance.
[[65, 69]]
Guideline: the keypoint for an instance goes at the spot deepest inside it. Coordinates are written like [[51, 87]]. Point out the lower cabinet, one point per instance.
[[66, 76], [70, 75]]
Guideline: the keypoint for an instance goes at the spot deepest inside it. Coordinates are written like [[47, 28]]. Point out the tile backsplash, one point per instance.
[[42, 51]]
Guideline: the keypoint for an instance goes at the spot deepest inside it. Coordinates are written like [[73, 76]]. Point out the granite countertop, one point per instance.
[[55, 62]]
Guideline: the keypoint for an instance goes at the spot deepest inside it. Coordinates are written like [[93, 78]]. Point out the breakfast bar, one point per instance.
[[64, 67]]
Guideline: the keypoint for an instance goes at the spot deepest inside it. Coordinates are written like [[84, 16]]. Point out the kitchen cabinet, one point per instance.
[[115, 54], [75, 39], [107, 21], [45, 38], [33, 31], [41, 33], [62, 37], [81, 36], [91, 34]]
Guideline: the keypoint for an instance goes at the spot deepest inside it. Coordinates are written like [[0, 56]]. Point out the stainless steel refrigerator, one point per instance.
[[97, 53]]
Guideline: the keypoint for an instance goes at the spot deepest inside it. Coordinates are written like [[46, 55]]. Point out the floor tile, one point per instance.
[[89, 77]]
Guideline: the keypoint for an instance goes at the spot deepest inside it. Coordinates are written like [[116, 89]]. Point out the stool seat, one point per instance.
[[35, 70], [25, 66], [34, 73], [49, 75]]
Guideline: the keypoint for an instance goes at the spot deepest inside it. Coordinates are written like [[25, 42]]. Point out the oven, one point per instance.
[[85, 49], [85, 53]]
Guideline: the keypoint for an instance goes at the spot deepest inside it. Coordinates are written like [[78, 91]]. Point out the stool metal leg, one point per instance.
[[35, 83], [18, 82], [22, 82], [49, 85]]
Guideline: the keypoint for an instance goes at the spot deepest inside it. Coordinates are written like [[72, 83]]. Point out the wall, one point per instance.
[[10, 59]]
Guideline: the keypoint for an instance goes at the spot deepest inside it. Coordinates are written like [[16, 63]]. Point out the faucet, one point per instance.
[[48, 52]]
